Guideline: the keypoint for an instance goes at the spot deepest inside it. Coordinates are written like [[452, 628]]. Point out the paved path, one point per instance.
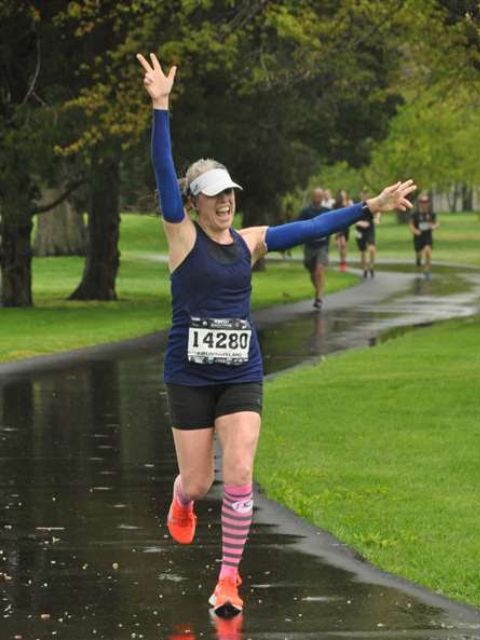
[[86, 464]]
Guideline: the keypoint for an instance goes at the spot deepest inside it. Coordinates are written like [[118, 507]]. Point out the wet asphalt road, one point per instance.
[[86, 467]]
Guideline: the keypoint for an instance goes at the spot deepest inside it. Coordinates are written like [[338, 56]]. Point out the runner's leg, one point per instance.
[[372, 252], [310, 263], [318, 277], [342, 248], [363, 262], [418, 251], [427, 252], [238, 434], [194, 448], [428, 257]]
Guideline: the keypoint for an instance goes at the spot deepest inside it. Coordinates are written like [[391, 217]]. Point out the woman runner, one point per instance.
[[213, 366], [365, 236]]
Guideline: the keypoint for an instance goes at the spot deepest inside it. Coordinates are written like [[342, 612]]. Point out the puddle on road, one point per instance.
[[83, 559], [319, 333]]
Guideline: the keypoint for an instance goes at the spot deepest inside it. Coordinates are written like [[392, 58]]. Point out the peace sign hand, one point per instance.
[[393, 197], [157, 84]]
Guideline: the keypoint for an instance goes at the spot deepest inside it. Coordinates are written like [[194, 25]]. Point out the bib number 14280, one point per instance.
[[219, 340]]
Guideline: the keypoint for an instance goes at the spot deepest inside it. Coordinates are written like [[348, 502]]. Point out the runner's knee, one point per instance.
[[239, 471], [240, 475], [197, 487]]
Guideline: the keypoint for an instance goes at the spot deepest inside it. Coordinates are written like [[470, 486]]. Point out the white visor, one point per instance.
[[213, 182]]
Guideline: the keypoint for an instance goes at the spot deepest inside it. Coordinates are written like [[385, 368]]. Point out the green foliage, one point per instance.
[[334, 177], [434, 139], [293, 85], [435, 134], [32, 84], [258, 84], [277, 91]]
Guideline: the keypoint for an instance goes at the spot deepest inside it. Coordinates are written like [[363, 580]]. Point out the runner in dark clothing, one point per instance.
[[365, 236], [423, 222], [315, 251]]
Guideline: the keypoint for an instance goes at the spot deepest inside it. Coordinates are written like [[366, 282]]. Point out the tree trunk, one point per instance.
[[467, 198], [456, 195], [61, 231], [103, 256], [450, 199], [16, 264]]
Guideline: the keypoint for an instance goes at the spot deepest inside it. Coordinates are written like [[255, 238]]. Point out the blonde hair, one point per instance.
[[197, 168]]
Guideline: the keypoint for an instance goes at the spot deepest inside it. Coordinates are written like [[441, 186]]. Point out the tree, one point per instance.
[[30, 91], [103, 256], [282, 78], [272, 89], [435, 134], [269, 58]]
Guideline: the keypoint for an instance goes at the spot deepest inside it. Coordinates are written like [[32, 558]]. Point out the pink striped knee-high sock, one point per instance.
[[237, 512]]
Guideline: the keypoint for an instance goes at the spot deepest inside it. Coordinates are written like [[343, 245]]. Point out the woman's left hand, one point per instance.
[[393, 198]]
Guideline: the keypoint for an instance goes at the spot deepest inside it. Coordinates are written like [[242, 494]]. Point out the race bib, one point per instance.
[[219, 341], [424, 226]]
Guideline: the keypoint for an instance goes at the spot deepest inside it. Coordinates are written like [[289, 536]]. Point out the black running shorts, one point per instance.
[[425, 239], [198, 407], [365, 240]]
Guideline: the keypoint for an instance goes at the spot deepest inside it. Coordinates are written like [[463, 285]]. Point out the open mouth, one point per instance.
[[223, 212]]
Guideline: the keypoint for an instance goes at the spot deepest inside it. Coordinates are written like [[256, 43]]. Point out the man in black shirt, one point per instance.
[[422, 223], [315, 256]]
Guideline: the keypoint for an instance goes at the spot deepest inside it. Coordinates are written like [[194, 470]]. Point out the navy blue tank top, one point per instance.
[[214, 281]]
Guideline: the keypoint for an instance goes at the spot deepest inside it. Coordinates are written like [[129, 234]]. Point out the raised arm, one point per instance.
[[288, 235], [179, 229], [158, 86], [291, 234]]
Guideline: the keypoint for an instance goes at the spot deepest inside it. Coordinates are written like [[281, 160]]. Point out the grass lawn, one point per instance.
[[143, 286], [388, 460]]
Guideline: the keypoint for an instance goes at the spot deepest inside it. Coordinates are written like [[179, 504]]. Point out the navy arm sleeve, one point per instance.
[[289, 235], [165, 175]]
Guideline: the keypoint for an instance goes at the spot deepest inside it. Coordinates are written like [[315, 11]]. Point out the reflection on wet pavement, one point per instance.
[[316, 334], [86, 468]]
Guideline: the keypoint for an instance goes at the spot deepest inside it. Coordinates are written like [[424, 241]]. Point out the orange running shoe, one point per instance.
[[227, 628], [181, 522], [225, 599], [182, 632]]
